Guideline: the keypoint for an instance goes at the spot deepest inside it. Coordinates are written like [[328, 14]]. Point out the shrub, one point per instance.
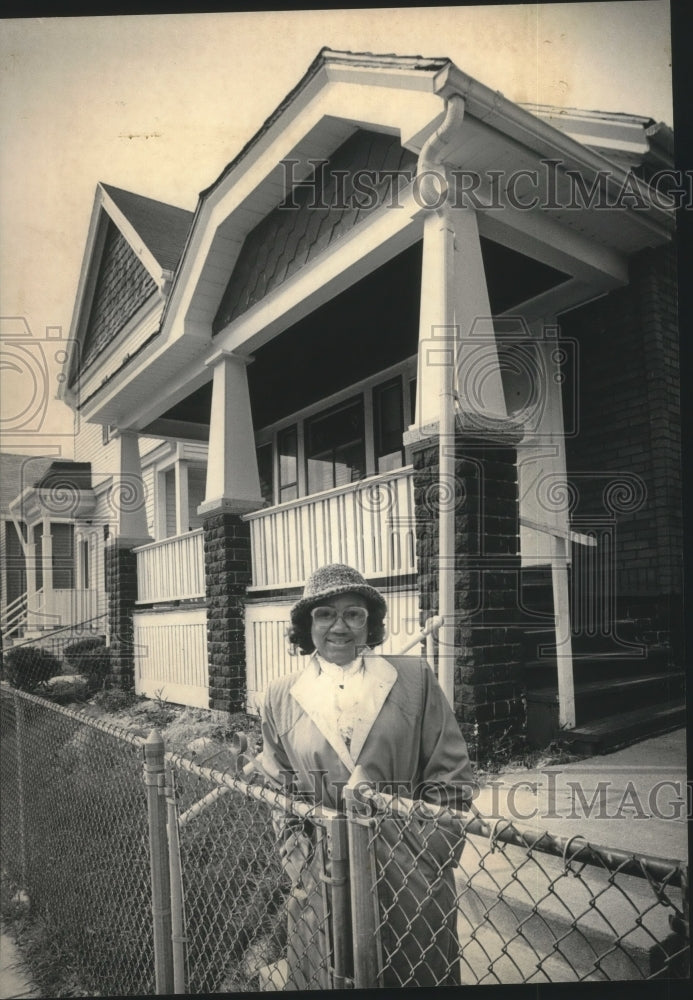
[[27, 667], [91, 657]]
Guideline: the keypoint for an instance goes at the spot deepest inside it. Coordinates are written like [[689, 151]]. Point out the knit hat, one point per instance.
[[336, 579]]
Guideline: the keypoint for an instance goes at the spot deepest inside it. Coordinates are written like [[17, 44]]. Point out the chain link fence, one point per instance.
[[75, 838], [499, 904], [169, 873], [256, 906]]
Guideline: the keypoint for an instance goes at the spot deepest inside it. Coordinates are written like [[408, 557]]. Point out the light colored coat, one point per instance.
[[409, 737]]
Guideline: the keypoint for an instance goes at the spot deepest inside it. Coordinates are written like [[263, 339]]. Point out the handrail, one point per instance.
[[62, 628], [551, 529], [17, 601], [334, 491], [164, 541]]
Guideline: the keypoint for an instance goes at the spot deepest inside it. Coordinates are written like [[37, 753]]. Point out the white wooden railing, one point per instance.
[[369, 525], [65, 606], [172, 569], [14, 617], [70, 606]]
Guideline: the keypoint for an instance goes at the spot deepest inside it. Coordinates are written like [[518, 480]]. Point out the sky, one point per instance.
[[159, 104]]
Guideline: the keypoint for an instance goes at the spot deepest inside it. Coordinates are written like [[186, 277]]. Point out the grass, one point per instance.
[[51, 971]]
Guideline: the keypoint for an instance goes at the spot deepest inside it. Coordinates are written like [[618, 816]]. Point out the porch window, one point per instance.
[[265, 472], [336, 447], [84, 563], [287, 445], [63, 556], [388, 425]]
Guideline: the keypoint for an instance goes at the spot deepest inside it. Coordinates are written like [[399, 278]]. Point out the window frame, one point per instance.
[[269, 434]]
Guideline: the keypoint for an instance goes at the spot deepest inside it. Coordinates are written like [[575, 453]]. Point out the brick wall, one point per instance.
[[122, 286], [227, 574], [628, 400], [121, 574], [487, 696]]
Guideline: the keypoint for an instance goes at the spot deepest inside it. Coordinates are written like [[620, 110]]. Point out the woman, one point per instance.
[[387, 714]]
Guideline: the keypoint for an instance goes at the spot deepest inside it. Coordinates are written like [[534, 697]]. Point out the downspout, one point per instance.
[[431, 164]]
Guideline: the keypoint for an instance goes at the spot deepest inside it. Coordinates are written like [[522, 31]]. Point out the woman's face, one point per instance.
[[337, 642]]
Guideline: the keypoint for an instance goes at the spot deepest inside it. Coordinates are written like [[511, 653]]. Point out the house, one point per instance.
[[423, 330]]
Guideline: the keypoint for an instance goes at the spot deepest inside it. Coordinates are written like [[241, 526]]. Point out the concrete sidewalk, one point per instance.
[[14, 979], [635, 799]]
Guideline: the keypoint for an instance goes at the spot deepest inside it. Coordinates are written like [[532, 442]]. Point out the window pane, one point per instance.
[[264, 468], [412, 400], [287, 444], [388, 417], [335, 447]]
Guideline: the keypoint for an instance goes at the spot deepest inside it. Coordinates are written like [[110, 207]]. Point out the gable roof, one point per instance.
[[163, 228]]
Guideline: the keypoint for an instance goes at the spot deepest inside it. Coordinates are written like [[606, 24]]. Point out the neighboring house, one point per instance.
[[397, 234]]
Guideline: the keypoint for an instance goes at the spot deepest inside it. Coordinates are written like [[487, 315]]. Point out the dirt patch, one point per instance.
[[197, 731]]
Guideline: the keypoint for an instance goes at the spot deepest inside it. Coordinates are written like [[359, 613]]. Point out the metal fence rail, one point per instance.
[[74, 837]]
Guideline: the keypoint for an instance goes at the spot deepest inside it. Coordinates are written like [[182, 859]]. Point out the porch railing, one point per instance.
[[66, 606], [368, 524], [14, 617], [172, 569]]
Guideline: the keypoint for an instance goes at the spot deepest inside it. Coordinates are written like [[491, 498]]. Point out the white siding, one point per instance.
[[148, 483], [89, 447]]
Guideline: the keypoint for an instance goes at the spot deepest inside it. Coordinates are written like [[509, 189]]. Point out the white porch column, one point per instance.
[[182, 509], [233, 483], [437, 334], [160, 506], [31, 588], [455, 323], [128, 496], [47, 567]]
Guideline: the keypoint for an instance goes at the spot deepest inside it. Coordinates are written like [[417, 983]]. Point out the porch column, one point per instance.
[[463, 450], [233, 489], [48, 609], [31, 588], [127, 499], [160, 501], [455, 323], [182, 510]]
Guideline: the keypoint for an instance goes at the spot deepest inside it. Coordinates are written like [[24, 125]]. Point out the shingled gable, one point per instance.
[[133, 247]]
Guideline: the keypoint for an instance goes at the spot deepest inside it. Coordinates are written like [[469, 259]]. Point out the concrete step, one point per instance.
[[602, 735], [599, 701]]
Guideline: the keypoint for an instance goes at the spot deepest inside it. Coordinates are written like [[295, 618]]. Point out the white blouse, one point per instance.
[[348, 694]]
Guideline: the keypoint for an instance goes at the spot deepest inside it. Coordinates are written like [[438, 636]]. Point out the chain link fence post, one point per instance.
[[178, 936], [364, 902], [338, 855], [155, 780], [21, 816]]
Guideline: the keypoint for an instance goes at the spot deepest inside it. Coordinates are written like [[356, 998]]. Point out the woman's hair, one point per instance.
[[299, 633]]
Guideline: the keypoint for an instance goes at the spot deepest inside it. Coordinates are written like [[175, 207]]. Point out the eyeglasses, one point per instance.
[[353, 617]]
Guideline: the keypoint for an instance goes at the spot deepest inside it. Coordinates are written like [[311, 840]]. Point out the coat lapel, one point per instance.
[[385, 675], [306, 692]]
